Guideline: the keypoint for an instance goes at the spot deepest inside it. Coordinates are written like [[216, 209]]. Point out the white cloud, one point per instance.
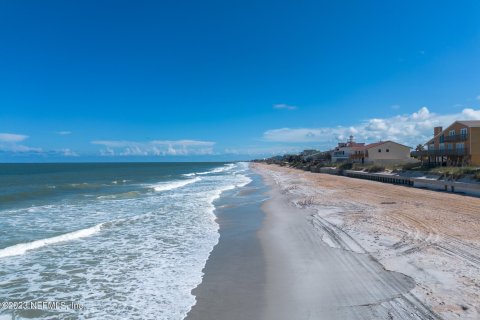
[[155, 147], [68, 153], [296, 135], [284, 106], [257, 151], [409, 129], [63, 133], [12, 137], [471, 114], [9, 142], [18, 148]]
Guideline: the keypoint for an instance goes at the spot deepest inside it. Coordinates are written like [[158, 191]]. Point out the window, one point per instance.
[[388, 150], [463, 131], [460, 146], [451, 133], [441, 146], [450, 146], [442, 139], [431, 147], [379, 150]]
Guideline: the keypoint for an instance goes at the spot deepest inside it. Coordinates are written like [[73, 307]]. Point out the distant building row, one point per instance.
[[457, 145]]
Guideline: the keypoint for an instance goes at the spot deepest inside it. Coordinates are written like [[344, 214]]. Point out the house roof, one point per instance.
[[376, 144], [470, 123]]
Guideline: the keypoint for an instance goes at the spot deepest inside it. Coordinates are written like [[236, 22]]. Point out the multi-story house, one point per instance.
[[344, 150], [457, 145]]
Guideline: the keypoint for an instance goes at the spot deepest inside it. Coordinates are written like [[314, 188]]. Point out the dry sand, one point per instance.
[[342, 248]]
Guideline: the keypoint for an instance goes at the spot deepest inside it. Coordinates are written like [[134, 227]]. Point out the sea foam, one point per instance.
[[213, 171], [174, 185], [149, 250], [21, 248]]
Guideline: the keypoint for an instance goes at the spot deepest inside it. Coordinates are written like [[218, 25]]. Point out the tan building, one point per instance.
[[383, 152], [457, 145]]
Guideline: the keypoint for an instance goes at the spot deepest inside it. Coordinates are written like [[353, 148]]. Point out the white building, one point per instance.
[[344, 150]]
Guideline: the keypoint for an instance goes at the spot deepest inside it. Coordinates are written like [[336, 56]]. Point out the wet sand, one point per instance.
[[234, 276], [280, 265]]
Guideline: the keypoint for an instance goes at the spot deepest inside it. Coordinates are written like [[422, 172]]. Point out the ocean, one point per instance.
[[108, 241]]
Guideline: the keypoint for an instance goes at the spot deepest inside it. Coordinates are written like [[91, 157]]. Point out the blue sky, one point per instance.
[[224, 80]]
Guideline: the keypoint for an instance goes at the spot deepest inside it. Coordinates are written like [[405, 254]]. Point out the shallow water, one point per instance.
[[123, 241]]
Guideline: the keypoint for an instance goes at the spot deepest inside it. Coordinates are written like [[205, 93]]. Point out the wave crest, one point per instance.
[[174, 185], [21, 248], [215, 170]]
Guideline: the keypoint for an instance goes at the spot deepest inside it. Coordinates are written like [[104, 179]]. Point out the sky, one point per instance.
[[229, 80]]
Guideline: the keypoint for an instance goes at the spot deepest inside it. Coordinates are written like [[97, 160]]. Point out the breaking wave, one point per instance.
[[21, 248]]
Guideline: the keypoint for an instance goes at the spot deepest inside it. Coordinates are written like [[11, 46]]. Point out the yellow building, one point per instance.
[[388, 152], [383, 152], [457, 145]]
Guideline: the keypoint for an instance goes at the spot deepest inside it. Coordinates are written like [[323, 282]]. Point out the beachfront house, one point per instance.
[[344, 150], [382, 152], [457, 145], [388, 152]]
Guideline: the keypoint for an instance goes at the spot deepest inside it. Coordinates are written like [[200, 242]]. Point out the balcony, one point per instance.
[[456, 138], [440, 153], [358, 155]]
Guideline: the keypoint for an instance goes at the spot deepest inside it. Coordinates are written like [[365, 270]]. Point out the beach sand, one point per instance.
[[234, 276], [431, 237], [330, 247]]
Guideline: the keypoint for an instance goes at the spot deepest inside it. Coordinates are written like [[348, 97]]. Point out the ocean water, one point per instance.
[[121, 241]]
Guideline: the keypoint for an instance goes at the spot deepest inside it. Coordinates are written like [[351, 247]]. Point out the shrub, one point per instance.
[[455, 173], [376, 168], [345, 166], [412, 166], [358, 166], [469, 170], [476, 175]]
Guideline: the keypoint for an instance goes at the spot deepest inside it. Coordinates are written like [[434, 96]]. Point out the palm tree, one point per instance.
[[420, 147]]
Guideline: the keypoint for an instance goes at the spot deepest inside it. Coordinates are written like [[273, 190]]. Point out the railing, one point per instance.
[[358, 155], [439, 153], [456, 138]]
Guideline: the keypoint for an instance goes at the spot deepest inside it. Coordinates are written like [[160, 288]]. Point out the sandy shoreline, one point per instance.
[[234, 276], [309, 279], [330, 247], [431, 237]]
